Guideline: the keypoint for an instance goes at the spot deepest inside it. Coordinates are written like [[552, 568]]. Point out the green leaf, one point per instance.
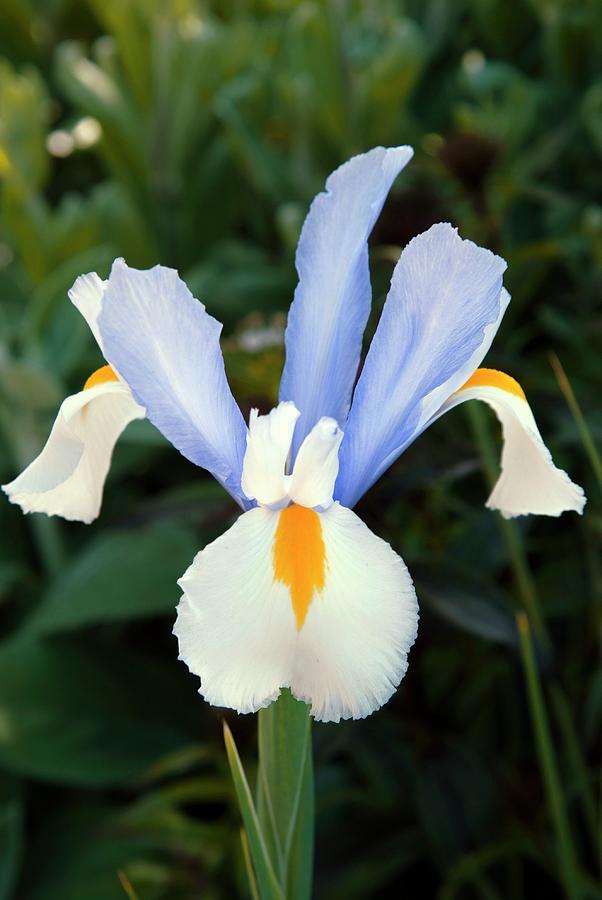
[[97, 93], [285, 791], [80, 852], [23, 105], [74, 713], [246, 852], [264, 870], [119, 576], [178, 816], [11, 835], [472, 608], [47, 302], [240, 278], [568, 869]]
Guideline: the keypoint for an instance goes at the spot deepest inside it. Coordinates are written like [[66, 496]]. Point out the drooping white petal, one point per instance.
[[353, 648], [248, 626], [529, 481], [86, 294], [67, 478], [235, 625], [317, 465], [268, 446]]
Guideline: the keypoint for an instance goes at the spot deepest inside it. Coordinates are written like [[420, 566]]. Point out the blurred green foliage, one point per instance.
[[195, 134]]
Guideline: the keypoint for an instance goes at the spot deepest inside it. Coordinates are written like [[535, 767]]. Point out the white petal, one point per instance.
[[68, 476], [235, 624], [344, 653], [353, 647], [86, 294], [529, 481], [317, 465], [268, 446]]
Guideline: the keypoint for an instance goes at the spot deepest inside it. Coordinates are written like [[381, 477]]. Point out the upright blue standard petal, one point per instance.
[[332, 301], [443, 309], [166, 347]]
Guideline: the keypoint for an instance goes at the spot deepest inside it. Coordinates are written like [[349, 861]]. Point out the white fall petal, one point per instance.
[[353, 649], [67, 478], [238, 631], [529, 482]]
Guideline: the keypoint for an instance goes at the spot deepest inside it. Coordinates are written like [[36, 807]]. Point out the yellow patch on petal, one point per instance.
[[300, 556], [493, 378], [102, 375]]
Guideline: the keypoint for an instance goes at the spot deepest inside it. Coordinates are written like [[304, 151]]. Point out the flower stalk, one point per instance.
[[567, 857], [285, 792], [278, 837]]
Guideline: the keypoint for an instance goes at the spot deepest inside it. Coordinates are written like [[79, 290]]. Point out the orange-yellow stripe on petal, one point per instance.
[[493, 378], [300, 556], [102, 375]]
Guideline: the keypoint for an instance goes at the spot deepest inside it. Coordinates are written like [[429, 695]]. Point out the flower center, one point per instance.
[[299, 556]]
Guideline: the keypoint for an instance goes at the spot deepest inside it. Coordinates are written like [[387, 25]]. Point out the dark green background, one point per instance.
[[219, 123]]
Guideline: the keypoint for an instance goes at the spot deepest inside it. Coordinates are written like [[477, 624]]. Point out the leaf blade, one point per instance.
[[264, 871]]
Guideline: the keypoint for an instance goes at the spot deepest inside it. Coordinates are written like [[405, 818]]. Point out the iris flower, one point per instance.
[[299, 593]]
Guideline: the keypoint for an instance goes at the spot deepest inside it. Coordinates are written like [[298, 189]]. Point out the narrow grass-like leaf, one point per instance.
[[266, 878], [582, 780], [471, 868], [567, 859], [573, 404], [127, 886], [246, 852]]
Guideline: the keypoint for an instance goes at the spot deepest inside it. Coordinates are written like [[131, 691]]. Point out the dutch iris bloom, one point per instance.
[[299, 592]]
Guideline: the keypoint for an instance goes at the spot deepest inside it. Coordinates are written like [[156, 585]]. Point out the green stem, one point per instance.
[[547, 762], [285, 793], [512, 538], [582, 779], [523, 578], [48, 543], [585, 434]]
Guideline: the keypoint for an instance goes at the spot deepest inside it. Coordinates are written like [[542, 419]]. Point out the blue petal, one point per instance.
[[332, 301], [166, 347], [443, 309]]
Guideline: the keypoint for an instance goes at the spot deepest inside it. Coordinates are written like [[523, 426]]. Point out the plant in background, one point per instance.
[[299, 594]]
